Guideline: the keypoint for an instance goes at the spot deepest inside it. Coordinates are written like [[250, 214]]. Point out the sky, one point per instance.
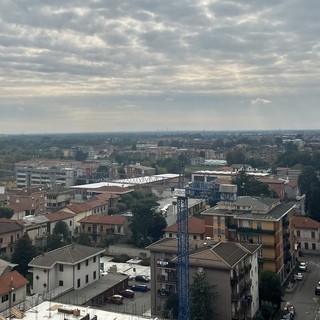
[[158, 65]]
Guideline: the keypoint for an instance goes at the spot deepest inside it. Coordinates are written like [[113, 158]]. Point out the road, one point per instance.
[[306, 303]]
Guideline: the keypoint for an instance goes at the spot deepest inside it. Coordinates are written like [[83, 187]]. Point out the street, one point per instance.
[[303, 298]]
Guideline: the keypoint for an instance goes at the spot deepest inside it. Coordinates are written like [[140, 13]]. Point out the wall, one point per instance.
[[115, 250]]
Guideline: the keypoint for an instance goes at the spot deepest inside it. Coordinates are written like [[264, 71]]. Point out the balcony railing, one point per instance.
[[254, 231], [164, 278]]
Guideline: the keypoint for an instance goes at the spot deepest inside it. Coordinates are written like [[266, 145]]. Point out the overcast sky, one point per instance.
[[157, 65]]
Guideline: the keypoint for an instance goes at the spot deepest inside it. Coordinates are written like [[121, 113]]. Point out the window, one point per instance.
[[14, 297], [79, 266], [94, 274], [298, 233], [1, 240], [170, 235], [87, 262], [87, 278], [259, 225], [194, 237], [18, 236], [313, 234], [78, 283], [5, 298], [313, 246], [60, 283], [61, 267], [70, 223], [306, 245], [89, 229], [94, 259]]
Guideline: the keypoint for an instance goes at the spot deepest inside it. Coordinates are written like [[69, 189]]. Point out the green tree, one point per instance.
[[307, 179], [312, 203], [171, 307], [270, 291], [234, 157], [84, 239], [61, 229], [146, 223], [24, 252], [6, 213], [201, 297]]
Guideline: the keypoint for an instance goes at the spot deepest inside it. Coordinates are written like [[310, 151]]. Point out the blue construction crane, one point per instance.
[[195, 190]]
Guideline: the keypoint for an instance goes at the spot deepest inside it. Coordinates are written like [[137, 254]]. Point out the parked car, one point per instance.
[[116, 299], [298, 276], [142, 278], [140, 287], [303, 266], [127, 293], [317, 289], [103, 273]]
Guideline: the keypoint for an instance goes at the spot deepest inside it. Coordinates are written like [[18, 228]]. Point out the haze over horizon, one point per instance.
[[179, 65]]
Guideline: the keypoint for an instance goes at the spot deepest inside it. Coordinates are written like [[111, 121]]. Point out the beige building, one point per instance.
[[265, 221], [10, 232], [307, 234], [232, 268]]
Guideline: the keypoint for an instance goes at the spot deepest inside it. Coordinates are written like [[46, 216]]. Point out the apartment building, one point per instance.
[[265, 221], [102, 228], [232, 268], [307, 234], [10, 232], [58, 197], [71, 267], [27, 201]]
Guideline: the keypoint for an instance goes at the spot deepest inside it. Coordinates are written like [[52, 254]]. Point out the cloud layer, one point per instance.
[[102, 65]]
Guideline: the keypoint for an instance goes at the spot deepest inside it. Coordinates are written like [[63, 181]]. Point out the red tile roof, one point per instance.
[[86, 206], [104, 219], [303, 222], [11, 280], [60, 215], [195, 226], [271, 181]]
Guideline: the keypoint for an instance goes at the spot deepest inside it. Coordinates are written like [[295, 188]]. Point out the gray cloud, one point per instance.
[[78, 63]]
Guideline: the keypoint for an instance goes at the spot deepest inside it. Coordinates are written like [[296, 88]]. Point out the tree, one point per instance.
[[202, 296], [61, 229], [6, 213], [171, 307], [24, 252], [307, 179], [312, 203], [270, 291], [146, 223], [234, 157], [84, 239]]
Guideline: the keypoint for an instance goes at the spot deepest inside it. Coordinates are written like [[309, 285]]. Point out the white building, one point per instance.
[[70, 267]]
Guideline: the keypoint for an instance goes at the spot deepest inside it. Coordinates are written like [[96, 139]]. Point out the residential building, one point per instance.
[[27, 201], [265, 221], [58, 197], [102, 228], [196, 229], [82, 210], [137, 170], [13, 290], [6, 267], [232, 268], [10, 232], [307, 234], [71, 267], [54, 217], [36, 228]]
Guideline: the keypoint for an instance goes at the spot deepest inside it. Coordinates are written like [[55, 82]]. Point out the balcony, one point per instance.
[[167, 278], [246, 230]]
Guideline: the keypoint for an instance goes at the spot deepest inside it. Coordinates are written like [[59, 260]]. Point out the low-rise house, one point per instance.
[[82, 210], [10, 232], [307, 234], [71, 267], [13, 290], [232, 268], [102, 228], [36, 228], [54, 217], [6, 267], [196, 229]]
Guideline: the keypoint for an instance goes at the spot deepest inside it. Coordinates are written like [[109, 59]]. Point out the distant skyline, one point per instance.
[[159, 65]]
